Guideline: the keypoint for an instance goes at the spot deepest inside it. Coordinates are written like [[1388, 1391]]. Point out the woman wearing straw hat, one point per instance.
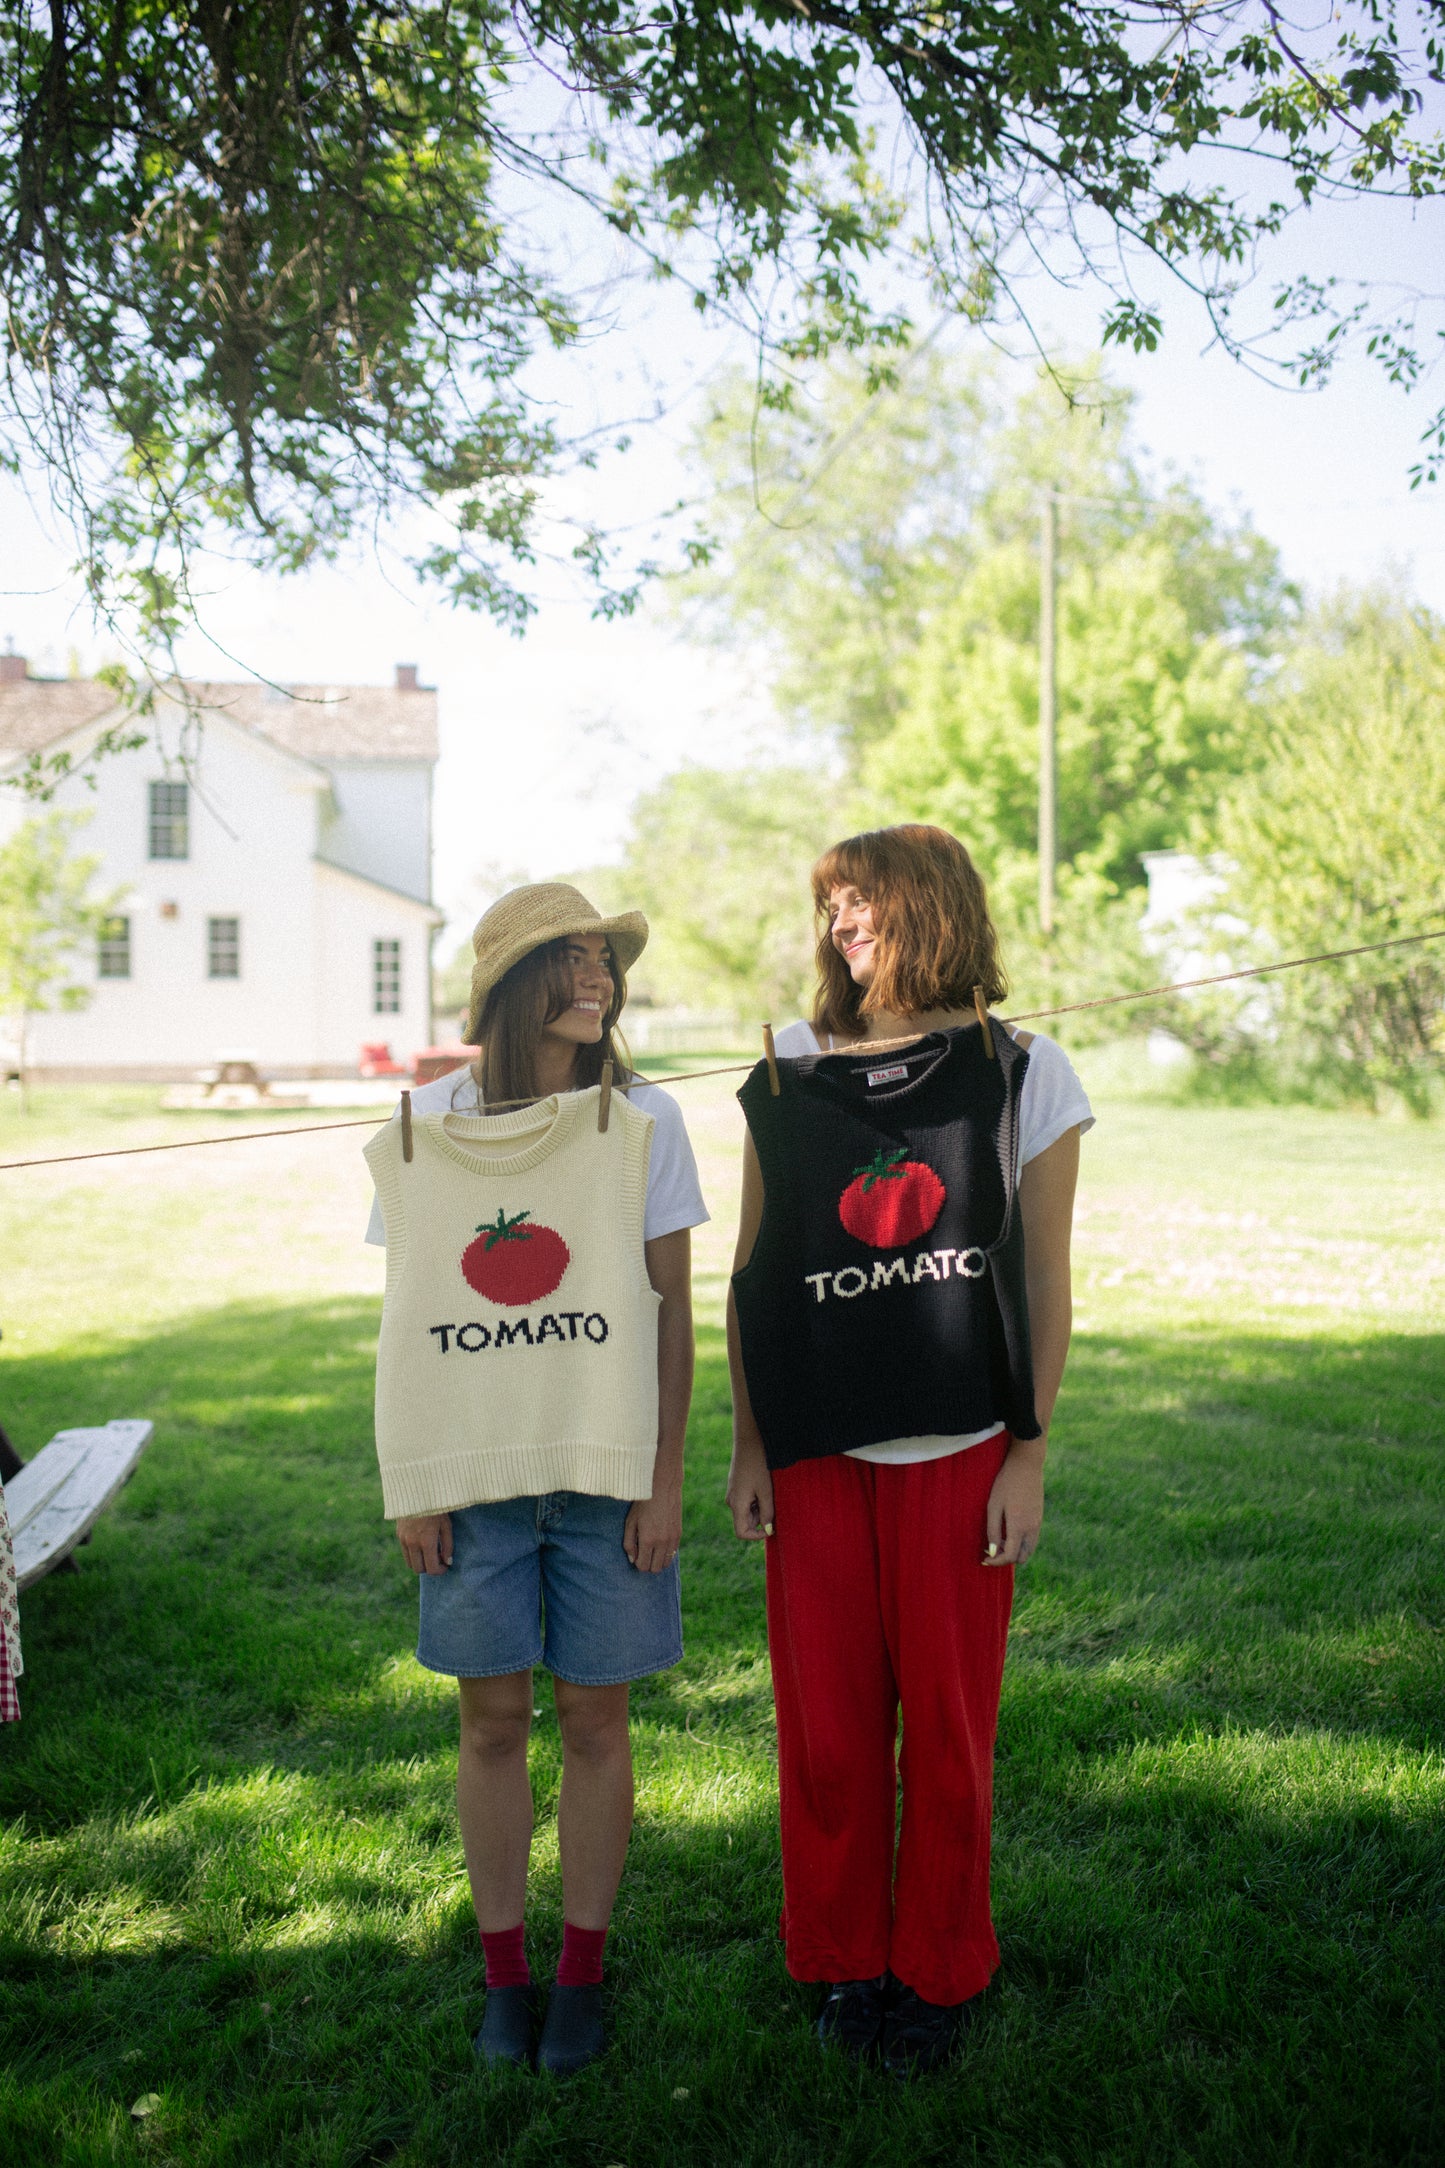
[[898, 1326], [534, 1376]]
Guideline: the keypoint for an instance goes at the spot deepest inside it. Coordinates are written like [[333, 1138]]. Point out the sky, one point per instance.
[[546, 741]]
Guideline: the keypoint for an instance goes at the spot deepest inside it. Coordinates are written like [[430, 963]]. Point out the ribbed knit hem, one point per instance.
[[482, 1477]]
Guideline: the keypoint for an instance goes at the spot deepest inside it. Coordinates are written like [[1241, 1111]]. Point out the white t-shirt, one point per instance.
[[1052, 1100], [674, 1198]]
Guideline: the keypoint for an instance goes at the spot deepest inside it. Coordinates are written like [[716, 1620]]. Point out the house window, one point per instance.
[[223, 948], [386, 977], [170, 824], [113, 958]]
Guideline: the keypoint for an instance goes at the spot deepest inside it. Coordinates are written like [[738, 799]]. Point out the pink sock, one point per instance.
[[580, 1964], [506, 1958]]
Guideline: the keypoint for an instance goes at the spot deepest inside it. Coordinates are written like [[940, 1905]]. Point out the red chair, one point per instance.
[[376, 1060]]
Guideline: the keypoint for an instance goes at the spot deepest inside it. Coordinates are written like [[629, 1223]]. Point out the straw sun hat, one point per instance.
[[527, 918]]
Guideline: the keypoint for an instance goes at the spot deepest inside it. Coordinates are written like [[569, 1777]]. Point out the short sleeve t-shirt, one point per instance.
[[674, 1197], [1052, 1101]]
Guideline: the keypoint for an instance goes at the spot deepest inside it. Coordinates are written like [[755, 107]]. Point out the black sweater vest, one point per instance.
[[885, 1295]]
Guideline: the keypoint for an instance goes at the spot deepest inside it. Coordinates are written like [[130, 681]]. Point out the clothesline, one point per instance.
[[738, 1068]]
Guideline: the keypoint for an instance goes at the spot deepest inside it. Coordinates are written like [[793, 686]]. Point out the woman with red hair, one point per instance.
[[898, 1324]]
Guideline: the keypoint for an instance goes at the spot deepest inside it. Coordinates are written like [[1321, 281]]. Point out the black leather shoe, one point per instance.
[[572, 2033], [853, 2013], [920, 2036], [507, 2025]]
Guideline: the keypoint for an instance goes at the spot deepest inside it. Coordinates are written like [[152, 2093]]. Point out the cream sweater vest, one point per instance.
[[518, 1349]]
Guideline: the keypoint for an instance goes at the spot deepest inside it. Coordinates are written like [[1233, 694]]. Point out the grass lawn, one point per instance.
[[229, 1870]]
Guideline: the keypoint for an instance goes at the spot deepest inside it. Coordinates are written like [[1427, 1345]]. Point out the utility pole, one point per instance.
[[1048, 749]]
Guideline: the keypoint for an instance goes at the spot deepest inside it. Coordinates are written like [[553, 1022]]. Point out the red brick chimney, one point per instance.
[[13, 670], [406, 677]]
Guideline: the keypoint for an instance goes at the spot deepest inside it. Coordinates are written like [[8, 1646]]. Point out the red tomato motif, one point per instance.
[[891, 1201], [514, 1264]]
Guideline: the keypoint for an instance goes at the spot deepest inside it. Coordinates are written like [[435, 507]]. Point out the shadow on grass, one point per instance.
[[1219, 1862], [1243, 1531]]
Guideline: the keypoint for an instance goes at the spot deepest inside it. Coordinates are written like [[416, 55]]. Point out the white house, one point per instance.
[[274, 859]]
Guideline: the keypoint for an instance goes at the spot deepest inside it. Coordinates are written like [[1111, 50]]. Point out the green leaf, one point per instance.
[[503, 1229], [884, 1166]]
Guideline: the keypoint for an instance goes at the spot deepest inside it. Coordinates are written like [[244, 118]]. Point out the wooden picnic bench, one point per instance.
[[56, 1499]]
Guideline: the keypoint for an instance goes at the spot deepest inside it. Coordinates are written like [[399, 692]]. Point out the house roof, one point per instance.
[[34, 712], [315, 722]]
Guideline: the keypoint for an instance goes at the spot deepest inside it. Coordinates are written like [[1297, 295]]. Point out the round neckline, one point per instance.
[[539, 1129], [940, 1044]]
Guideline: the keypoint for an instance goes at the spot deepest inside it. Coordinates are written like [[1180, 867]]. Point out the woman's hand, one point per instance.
[[426, 1541], [652, 1535], [750, 1491], [1016, 1504]]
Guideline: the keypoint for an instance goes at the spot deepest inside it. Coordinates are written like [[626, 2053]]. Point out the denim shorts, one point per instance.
[[546, 1581]]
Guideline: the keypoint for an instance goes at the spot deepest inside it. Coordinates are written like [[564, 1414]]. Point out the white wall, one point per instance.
[[378, 822], [252, 835], [350, 915], [1179, 883], [1183, 926], [304, 999]]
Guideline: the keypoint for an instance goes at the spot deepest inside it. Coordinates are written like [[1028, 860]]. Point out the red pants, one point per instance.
[[876, 1596]]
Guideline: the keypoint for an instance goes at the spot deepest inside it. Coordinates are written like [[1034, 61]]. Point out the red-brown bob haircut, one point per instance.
[[936, 941]]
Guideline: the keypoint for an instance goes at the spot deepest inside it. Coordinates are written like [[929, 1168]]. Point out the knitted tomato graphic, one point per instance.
[[893, 1200], [515, 1264]]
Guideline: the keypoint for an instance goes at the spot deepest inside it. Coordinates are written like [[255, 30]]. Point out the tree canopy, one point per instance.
[[896, 606], [891, 597], [743, 935], [1156, 702], [49, 913], [1331, 842], [273, 269]]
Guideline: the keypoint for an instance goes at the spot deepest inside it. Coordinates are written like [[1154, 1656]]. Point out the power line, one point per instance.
[[739, 1068]]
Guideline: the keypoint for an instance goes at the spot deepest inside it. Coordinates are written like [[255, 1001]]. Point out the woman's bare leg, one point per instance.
[[494, 1795], [594, 1814]]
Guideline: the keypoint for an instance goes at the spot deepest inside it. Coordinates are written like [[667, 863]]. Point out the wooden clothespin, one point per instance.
[[406, 1127], [982, 1007], [604, 1098], [770, 1056]]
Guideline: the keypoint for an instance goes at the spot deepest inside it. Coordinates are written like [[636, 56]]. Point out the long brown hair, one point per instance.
[[936, 941], [534, 993]]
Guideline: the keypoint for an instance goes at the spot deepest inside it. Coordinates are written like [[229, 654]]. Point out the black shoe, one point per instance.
[[507, 2024], [573, 2033], [853, 2015], [920, 2036]]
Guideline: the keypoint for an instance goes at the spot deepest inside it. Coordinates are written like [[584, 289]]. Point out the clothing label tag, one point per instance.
[[888, 1076]]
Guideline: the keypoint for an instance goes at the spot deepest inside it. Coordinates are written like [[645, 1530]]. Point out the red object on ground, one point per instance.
[[9, 1698], [875, 1589], [435, 1061], [514, 1262], [580, 1964], [507, 1958], [891, 1201], [376, 1060]]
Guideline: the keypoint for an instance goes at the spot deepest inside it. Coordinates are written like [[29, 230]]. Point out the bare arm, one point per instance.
[[1046, 1201], [654, 1525], [750, 1487]]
